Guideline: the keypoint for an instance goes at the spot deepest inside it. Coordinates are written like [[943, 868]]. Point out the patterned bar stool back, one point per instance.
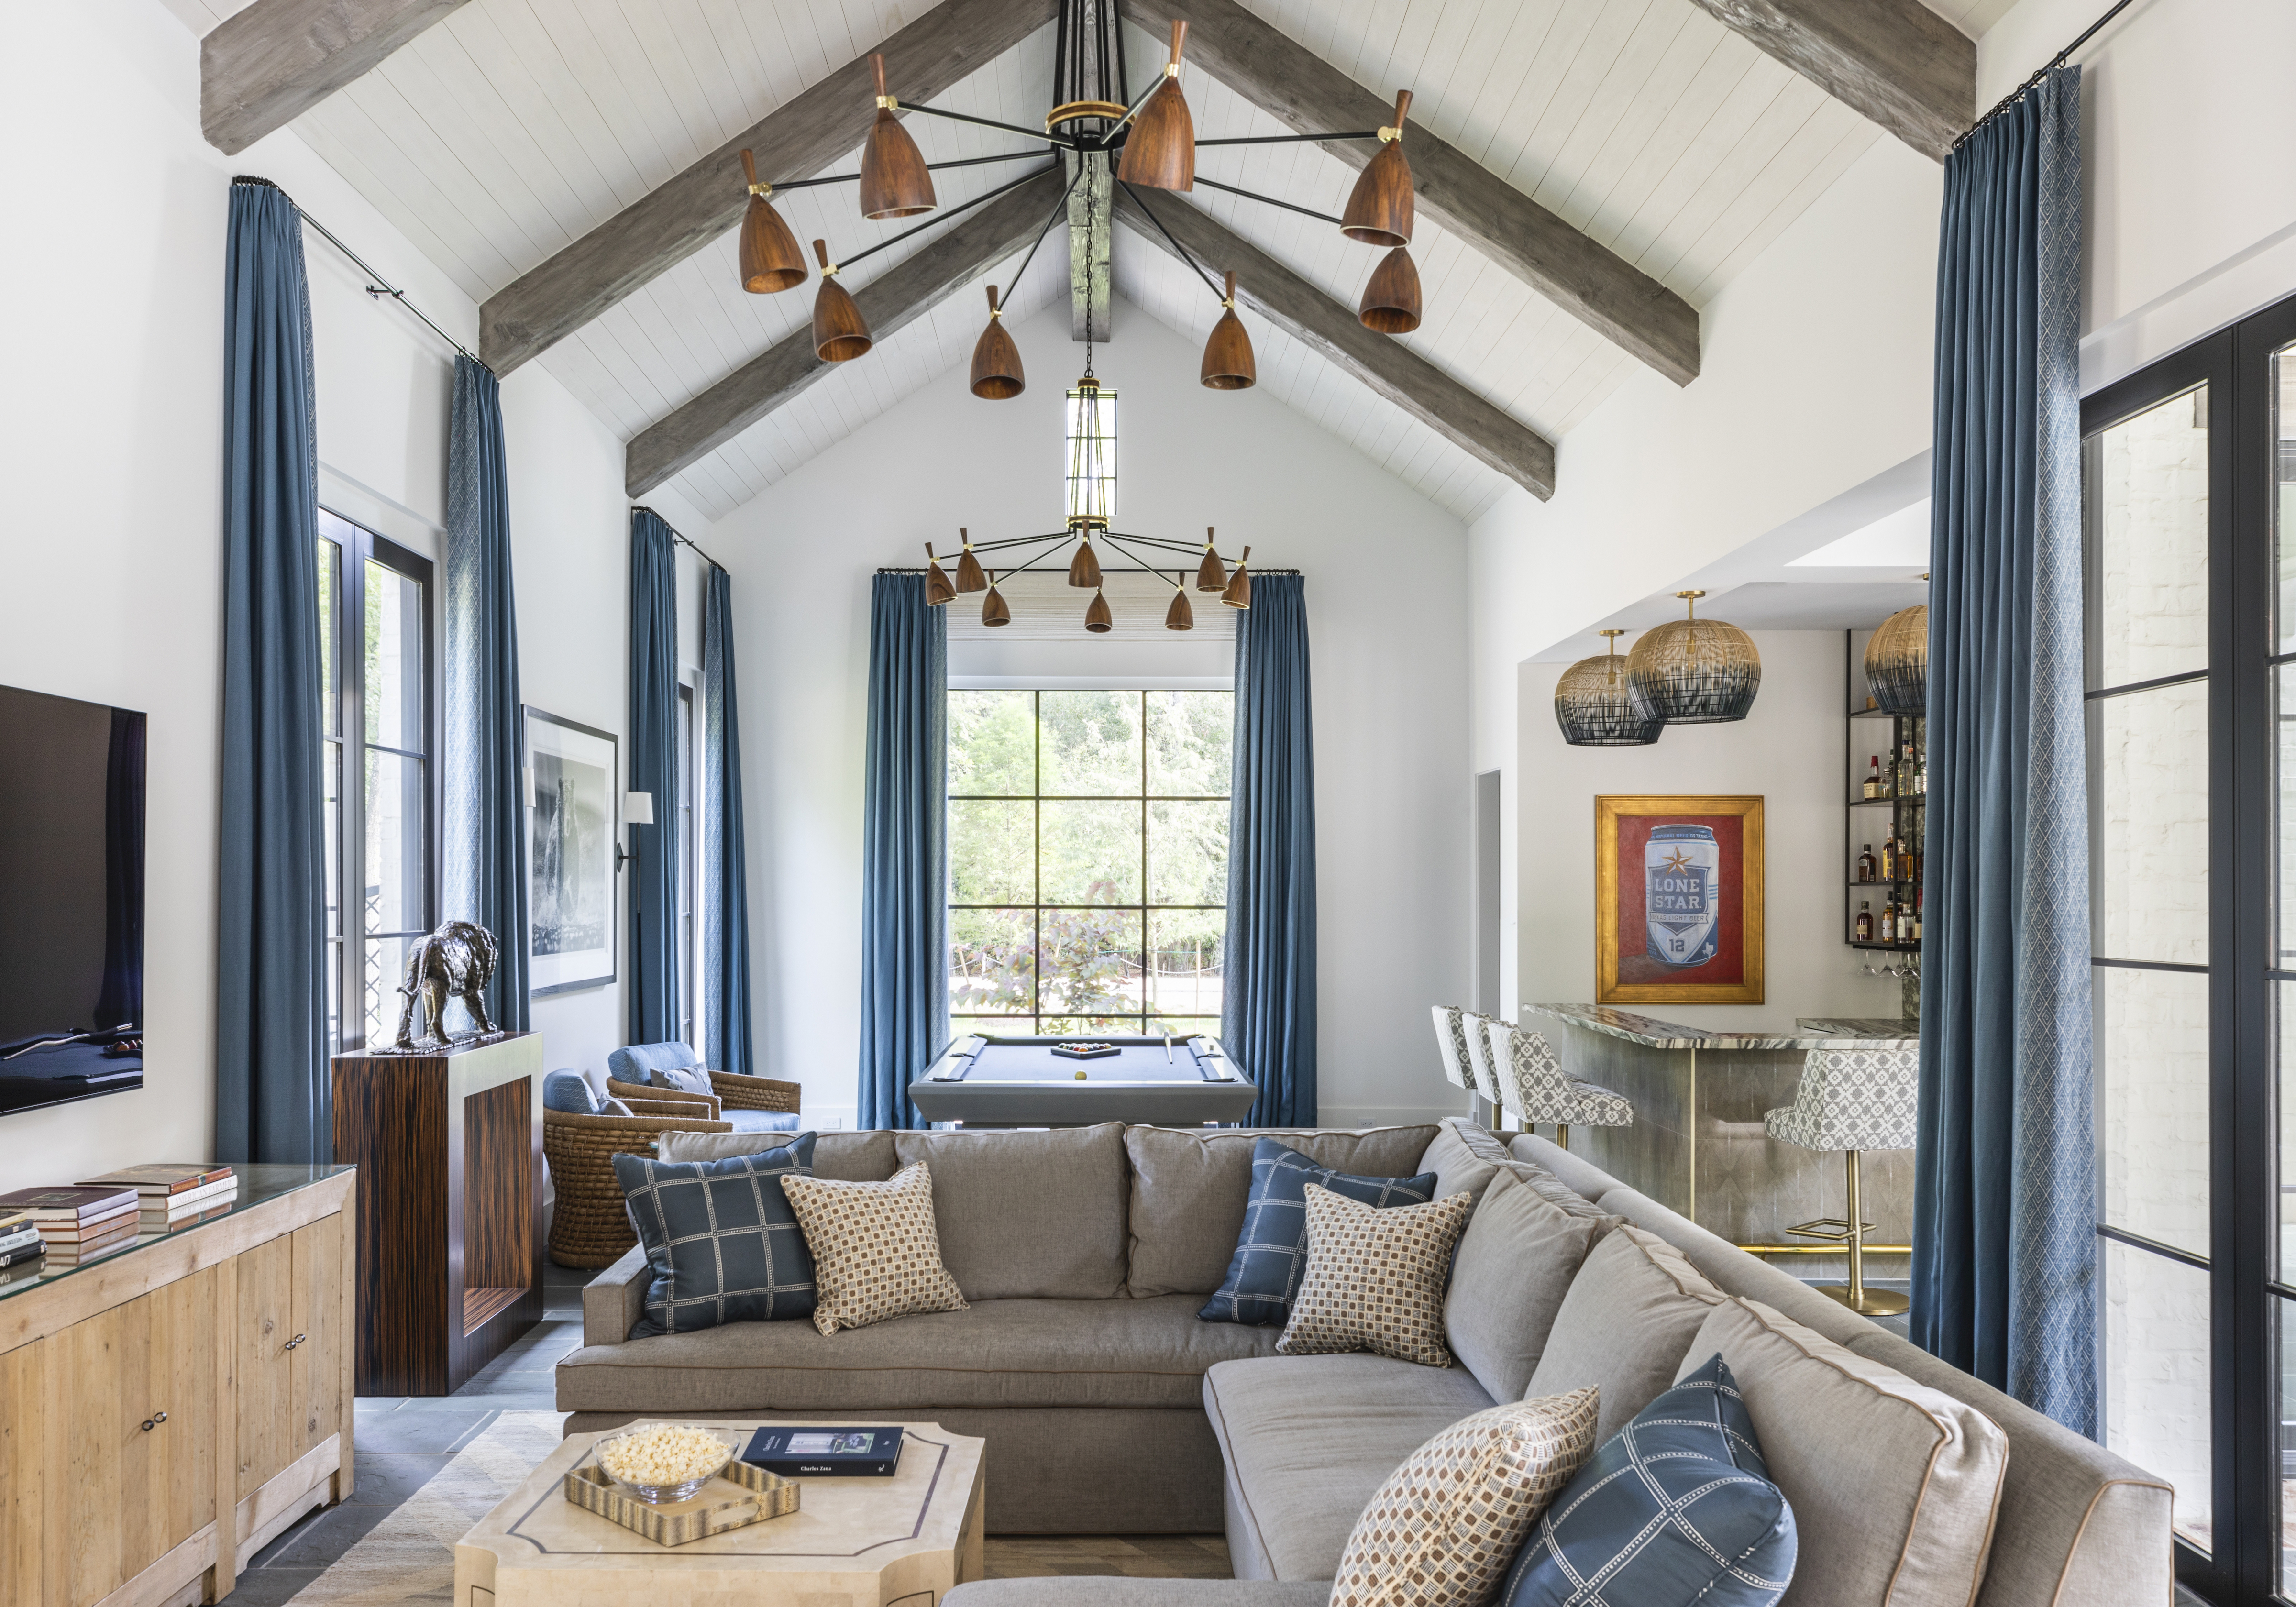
[[1852, 1100], [1451, 1045], [1540, 1090], [1478, 1050]]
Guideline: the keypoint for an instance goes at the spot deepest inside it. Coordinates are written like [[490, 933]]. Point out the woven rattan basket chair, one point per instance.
[[589, 1225], [632, 1073]]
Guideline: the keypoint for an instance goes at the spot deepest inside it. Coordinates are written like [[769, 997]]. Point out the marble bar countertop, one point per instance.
[[1813, 1032]]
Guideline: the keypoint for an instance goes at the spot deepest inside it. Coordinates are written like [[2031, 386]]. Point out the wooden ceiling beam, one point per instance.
[[1477, 427], [1587, 279], [799, 139], [901, 294], [1896, 61], [262, 67]]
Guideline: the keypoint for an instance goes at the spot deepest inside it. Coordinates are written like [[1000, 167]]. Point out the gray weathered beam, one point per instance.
[[797, 140], [1091, 234], [1896, 61], [1587, 279], [1386, 364], [906, 291], [262, 67]]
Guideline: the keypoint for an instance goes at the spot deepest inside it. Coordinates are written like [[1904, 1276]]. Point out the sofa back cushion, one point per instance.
[[1027, 1215], [1625, 1324], [1515, 1264], [1464, 1157], [1188, 1192], [840, 1156], [1895, 1486]]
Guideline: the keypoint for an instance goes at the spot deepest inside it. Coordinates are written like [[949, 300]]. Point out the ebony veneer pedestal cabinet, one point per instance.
[[169, 1408], [448, 1147]]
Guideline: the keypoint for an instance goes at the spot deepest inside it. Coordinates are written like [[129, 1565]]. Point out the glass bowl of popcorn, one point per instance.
[[665, 1462]]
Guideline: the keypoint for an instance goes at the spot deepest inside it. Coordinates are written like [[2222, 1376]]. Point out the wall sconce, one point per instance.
[[637, 811]]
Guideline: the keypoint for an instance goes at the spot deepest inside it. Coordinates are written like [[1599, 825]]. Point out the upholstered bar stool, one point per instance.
[[1474, 1027], [1451, 1046], [1544, 1091], [1851, 1100]]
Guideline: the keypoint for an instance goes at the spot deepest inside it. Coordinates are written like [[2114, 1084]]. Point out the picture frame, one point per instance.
[[1679, 899], [573, 825]]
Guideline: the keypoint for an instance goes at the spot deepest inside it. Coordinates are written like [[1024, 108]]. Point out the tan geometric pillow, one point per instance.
[[1444, 1529], [1375, 1278], [876, 1250]]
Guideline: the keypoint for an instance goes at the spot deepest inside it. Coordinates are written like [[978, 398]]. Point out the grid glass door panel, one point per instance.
[[330, 775], [2156, 1382], [2148, 501], [2151, 1068], [1087, 860], [2279, 481], [2149, 823]]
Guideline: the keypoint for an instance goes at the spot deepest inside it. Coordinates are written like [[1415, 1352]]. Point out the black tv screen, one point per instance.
[[71, 899]]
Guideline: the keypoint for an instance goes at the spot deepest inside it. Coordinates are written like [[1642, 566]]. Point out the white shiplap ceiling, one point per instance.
[[505, 133]]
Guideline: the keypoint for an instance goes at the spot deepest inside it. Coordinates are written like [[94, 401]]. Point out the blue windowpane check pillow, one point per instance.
[[1271, 1251], [720, 1239], [1676, 1508]]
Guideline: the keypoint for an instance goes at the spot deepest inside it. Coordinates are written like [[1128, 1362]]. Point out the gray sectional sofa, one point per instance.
[[1110, 1408]]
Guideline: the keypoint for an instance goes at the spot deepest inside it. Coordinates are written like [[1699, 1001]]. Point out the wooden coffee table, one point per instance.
[[897, 1542]]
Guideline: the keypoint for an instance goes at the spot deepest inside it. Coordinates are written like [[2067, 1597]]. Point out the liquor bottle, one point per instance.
[[1886, 929], [1917, 915], [1865, 863], [1905, 922], [1864, 920], [1889, 858], [1873, 777]]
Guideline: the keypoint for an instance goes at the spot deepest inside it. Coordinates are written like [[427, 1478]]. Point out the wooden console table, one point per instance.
[[448, 1147], [169, 1408]]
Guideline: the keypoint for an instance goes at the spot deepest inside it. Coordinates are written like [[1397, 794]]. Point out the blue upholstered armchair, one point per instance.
[[752, 1104]]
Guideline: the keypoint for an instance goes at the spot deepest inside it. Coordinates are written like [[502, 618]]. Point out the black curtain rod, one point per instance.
[[2043, 71], [1105, 569], [640, 507], [380, 287]]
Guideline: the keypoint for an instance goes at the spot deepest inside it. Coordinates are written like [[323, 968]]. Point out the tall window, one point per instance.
[[1087, 860], [2190, 496], [378, 729], [689, 951]]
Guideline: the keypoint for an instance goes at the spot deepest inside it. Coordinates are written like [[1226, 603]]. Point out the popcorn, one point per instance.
[[664, 1454]]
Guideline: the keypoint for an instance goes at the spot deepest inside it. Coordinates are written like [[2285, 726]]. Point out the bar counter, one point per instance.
[[1697, 1144]]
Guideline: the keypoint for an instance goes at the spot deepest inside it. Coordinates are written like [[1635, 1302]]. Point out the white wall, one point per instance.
[[110, 445], [1386, 581]]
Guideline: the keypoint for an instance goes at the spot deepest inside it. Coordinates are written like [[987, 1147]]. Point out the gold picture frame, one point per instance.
[[1712, 882]]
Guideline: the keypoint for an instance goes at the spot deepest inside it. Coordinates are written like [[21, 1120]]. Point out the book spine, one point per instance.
[[22, 1252]]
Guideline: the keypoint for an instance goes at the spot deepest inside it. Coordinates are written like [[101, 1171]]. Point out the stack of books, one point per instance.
[[79, 1223], [173, 1193], [20, 1238]]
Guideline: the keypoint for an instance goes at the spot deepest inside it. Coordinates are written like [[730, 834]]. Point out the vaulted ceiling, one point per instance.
[[1612, 164]]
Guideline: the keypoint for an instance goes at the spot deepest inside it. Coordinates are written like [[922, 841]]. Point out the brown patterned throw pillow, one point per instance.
[[1375, 1278], [876, 1248], [1444, 1527]]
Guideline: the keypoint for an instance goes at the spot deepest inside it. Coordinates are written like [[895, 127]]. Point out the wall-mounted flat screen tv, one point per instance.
[[71, 899]]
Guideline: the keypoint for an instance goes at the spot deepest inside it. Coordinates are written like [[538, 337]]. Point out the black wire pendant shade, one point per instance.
[[1595, 707], [1897, 661], [1693, 671]]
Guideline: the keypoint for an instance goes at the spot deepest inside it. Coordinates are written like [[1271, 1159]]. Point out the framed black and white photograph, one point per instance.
[[569, 896]]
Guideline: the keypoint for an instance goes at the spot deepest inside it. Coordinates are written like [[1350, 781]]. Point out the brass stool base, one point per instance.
[[1870, 1302]]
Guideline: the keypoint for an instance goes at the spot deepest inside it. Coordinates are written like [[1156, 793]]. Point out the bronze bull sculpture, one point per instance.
[[457, 961]]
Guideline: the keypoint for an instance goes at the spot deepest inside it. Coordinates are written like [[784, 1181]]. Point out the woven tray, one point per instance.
[[736, 1498]]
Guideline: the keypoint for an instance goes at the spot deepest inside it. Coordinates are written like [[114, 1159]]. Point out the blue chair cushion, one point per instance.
[[762, 1121], [720, 1239], [569, 1093], [1676, 1508], [1271, 1249], [637, 1062]]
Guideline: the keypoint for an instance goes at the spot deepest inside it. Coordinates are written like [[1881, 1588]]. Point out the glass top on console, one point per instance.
[[258, 1185]]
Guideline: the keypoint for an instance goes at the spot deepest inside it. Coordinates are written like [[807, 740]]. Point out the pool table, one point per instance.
[[986, 1081]]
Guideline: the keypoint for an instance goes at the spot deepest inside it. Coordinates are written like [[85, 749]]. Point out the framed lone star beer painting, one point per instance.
[[1677, 900]]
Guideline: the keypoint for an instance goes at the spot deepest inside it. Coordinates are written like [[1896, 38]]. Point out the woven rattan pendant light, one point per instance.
[[840, 332], [1238, 593], [1391, 300], [771, 258], [993, 611], [1693, 671], [1160, 153], [1228, 364], [1379, 209], [997, 375], [1596, 708], [970, 576], [937, 588], [1211, 575], [1181, 615], [1897, 661], [894, 182]]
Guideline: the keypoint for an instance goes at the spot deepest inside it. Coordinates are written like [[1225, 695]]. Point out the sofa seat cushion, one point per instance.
[[1072, 1590], [998, 1352], [1309, 1440]]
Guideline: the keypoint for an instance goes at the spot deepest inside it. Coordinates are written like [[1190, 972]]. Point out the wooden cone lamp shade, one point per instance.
[[1390, 301], [894, 180], [1379, 211], [997, 374], [993, 611], [1084, 569], [1227, 354], [1239, 586], [1180, 616], [968, 578], [1097, 619], [1211, 575], [1160, 153], [771, 258], [839, 334], [937, 589]]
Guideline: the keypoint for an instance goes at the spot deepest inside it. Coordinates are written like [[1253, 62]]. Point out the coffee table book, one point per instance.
[[164, 1178], [63, 1203]]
